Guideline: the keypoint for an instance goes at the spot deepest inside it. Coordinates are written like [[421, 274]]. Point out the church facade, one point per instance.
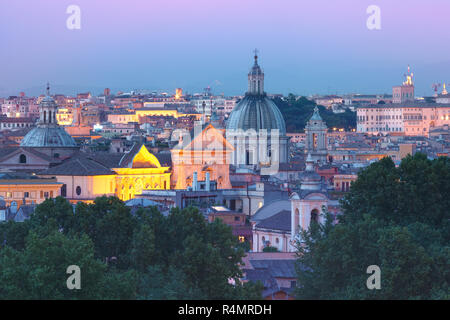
[[204, 158]]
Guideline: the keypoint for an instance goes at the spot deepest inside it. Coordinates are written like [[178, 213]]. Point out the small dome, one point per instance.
[[316, 116], [48, 137], [48, 100], [256, 112], [310, 179]]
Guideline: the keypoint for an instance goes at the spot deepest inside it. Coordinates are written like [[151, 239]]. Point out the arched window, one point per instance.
[[64, 190], [315, 216], [78, 190], [23, 158]]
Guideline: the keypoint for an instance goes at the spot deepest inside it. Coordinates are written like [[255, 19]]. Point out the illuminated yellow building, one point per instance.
[[88, 176], [135, 115], [64, 117], [142, 171]]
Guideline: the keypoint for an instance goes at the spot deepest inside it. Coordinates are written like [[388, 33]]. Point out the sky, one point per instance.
[[305, 47]]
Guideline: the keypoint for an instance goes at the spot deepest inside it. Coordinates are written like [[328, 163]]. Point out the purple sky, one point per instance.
[[306, 47]]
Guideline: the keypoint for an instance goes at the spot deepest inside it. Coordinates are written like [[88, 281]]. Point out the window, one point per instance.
[[237, 218], [64, 190], [26, 194], [314, 216], [78, 190], [23, 158], [46, 195]]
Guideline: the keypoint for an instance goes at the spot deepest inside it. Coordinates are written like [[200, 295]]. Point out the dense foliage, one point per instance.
[[397, 218], [121, 255], [297, 112]]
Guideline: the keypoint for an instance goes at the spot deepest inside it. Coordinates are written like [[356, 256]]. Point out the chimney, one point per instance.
[[194, 181], [207, 182]]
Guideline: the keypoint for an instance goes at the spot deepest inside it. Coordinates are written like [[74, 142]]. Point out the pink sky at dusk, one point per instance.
[[305, 46]]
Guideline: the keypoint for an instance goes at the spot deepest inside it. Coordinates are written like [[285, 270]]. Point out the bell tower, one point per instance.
[[316, 138]]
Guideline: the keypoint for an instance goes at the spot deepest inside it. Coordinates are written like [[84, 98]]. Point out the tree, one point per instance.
[[39, 271], [270, 249], [110, 225], [388, 220], [297, 112], [144, 255]]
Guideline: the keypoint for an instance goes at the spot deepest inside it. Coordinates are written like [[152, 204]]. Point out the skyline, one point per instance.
[[304, 48]]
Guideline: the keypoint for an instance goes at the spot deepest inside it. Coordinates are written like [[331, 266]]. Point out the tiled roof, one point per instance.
[[78, 165], [164, 158], [129, 156], [269, 209], [279, 221], [109, 160], [277, 268]]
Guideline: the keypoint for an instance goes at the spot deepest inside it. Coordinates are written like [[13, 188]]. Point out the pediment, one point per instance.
[[32, 157]]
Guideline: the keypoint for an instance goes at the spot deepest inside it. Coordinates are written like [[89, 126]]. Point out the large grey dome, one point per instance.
[[256, 112], [48, 137]]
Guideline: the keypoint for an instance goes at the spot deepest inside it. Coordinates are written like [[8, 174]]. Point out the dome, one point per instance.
[[49, 137], [310, 179], [316, 116], [256, 112], [48, 134]]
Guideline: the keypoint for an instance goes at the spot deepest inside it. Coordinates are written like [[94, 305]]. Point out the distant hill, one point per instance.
[[297, 112]]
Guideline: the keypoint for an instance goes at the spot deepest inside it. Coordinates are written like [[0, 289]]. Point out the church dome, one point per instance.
[[256, 112], [48, 134], [49, 137]]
